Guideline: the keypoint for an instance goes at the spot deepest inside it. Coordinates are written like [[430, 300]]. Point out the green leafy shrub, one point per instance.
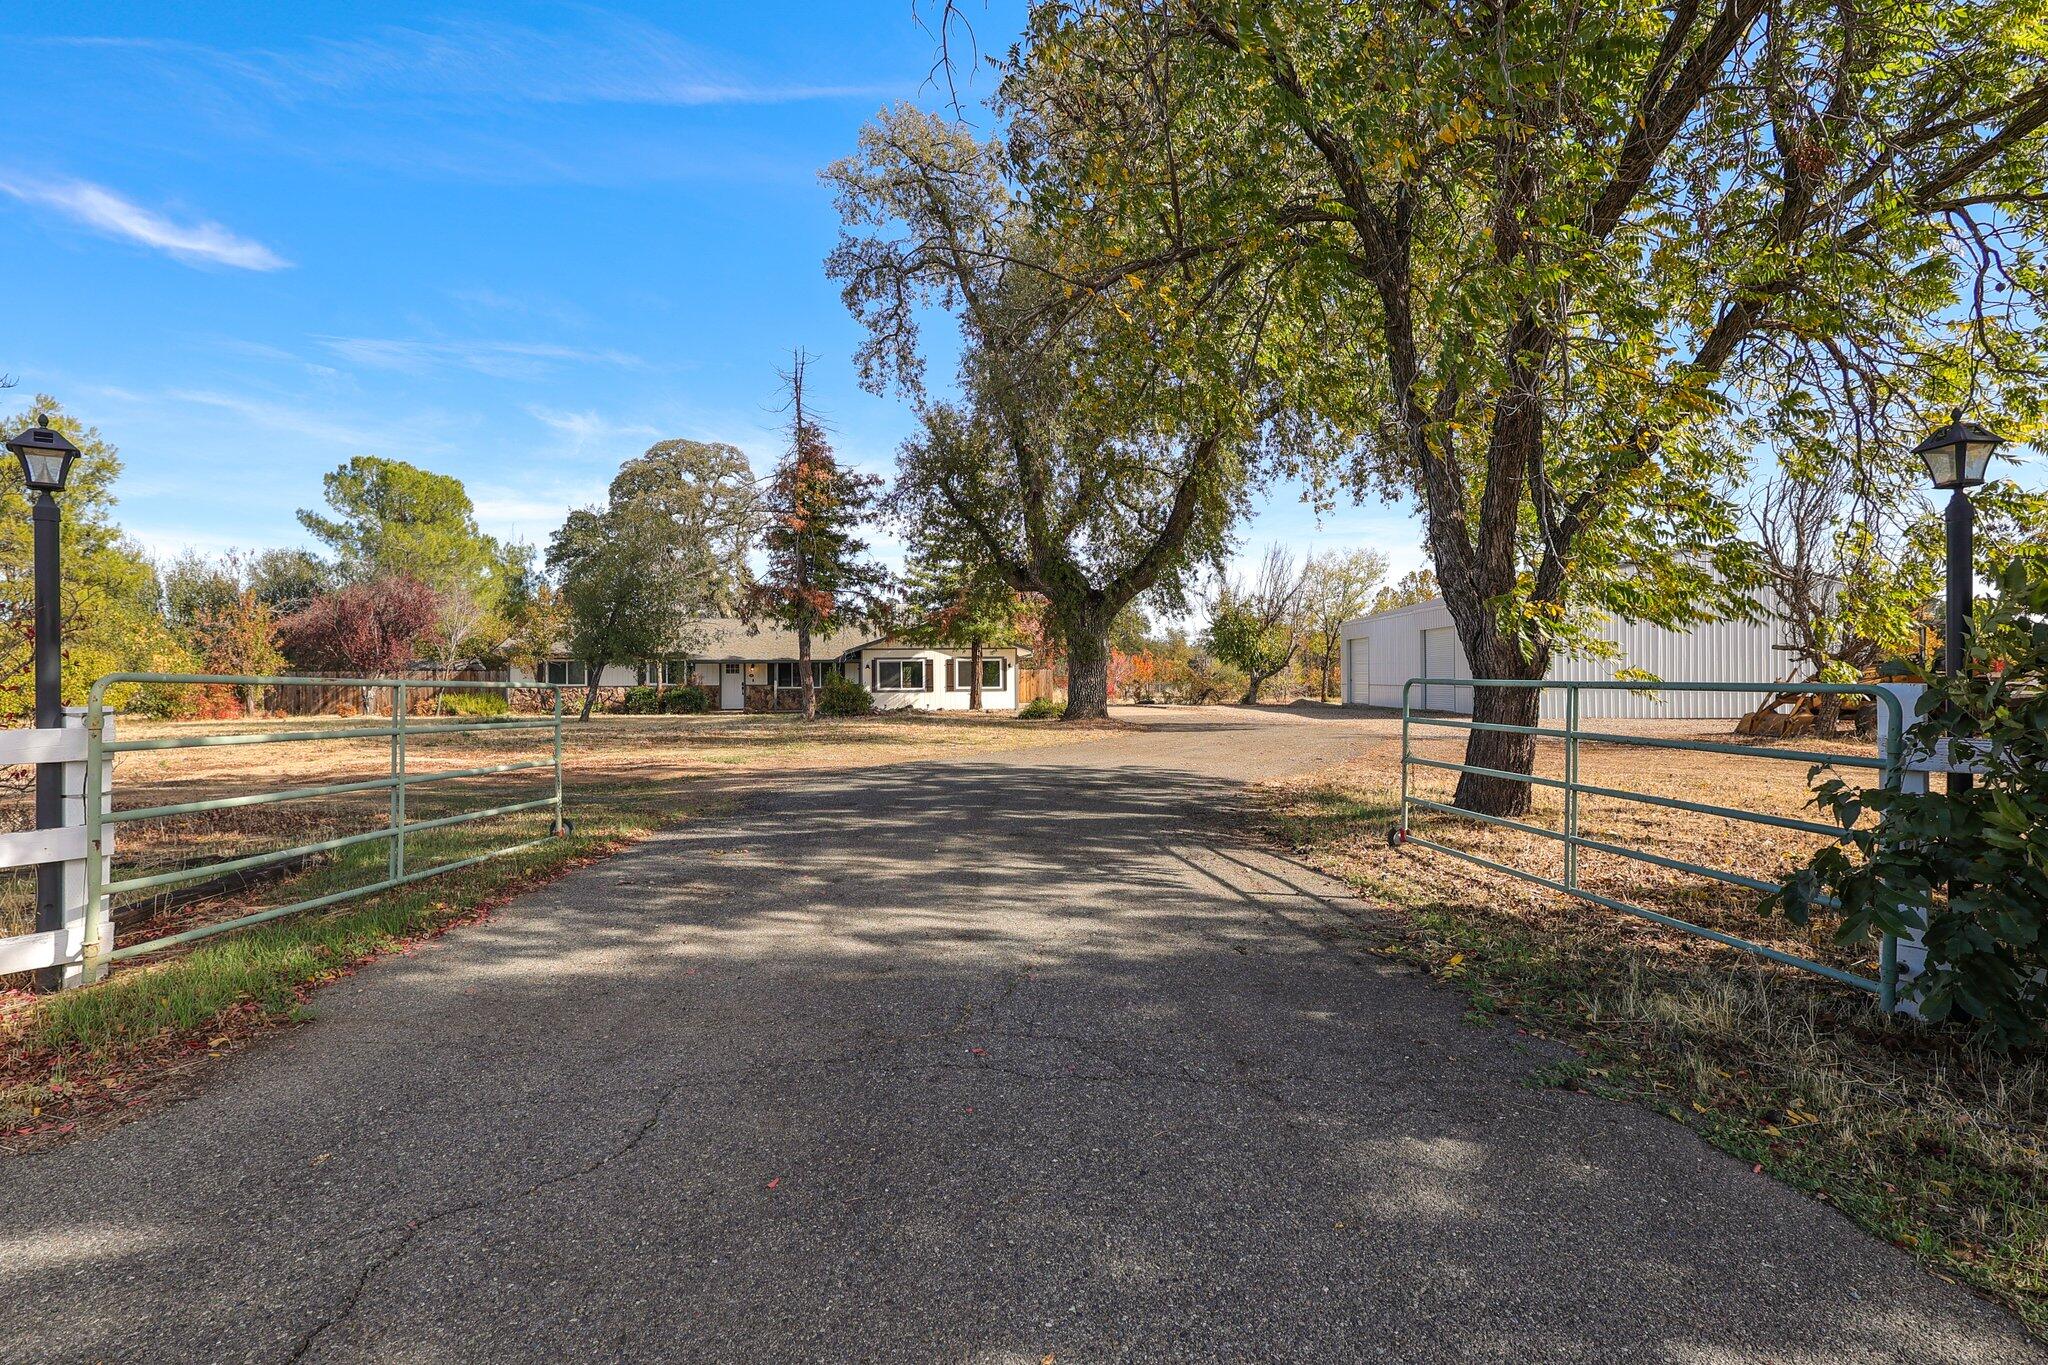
[[1202, 682], [642, 701], [687, 700], [1987, 943], [1040, 708], [842, 696], [466, 701]]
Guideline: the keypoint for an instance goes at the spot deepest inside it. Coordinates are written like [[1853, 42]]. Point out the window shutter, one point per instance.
[[928, 679]]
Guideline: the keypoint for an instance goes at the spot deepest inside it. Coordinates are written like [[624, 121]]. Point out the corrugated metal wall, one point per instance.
[[1721, 651]]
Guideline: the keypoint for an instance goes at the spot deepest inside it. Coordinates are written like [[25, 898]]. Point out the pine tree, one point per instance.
[[957, 601], [818, 577]]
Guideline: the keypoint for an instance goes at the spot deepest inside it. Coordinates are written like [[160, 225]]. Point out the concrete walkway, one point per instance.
[[1011, 1059]]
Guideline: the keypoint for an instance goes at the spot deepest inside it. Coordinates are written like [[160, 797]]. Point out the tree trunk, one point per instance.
[[1495, 749], [1251, 690], [1088, 673], [590, 682], [974, 680], [803, 668]]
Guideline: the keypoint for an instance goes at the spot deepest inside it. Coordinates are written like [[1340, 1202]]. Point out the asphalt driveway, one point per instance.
[[1012, 1059]]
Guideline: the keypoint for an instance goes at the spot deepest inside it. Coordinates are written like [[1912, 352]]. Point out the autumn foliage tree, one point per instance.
[[818, 575], [956, 600], [239, 636], [365, 629]]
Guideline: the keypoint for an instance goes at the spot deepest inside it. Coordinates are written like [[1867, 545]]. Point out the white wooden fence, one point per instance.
[[65, 946]]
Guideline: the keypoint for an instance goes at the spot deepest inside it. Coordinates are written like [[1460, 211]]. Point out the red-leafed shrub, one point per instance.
[[365, 629]]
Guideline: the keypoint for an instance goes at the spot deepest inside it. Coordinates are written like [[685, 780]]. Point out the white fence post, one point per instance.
[[74, 869], [1912, 950], [63, 946], [99, 924]]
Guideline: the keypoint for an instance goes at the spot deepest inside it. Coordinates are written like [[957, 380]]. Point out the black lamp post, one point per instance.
[[1957, 457], [45, 464]]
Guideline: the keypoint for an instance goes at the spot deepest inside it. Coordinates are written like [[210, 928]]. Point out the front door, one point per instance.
[[732, 690]]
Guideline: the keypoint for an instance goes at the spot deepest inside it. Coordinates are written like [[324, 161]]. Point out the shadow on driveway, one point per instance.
[[1005, 1060]]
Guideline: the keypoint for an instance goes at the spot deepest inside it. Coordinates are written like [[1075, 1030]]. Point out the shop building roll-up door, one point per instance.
[[1440, 660]]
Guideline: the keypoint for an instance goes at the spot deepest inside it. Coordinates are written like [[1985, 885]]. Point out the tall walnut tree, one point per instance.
[[1553, 264], [1099, 450]]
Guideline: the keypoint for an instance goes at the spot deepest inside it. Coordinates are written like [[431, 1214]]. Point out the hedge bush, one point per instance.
[[642, 701], [687, 700], [1040, 708], [842, 696], [1987, 944], [466, 701]]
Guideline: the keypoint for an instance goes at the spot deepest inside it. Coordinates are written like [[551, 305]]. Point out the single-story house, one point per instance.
[[754, 667], [1384, 650]]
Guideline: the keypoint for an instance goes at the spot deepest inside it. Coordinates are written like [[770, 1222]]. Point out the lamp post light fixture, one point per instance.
[[1957, 458], [46, 459]]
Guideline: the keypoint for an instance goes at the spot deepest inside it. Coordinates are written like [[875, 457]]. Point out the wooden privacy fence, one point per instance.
[[328, 694], [1033, 683]]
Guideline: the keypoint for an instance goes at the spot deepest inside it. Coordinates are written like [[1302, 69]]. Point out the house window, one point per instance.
[[563, 672], [961, 677], [786, 673], [664, 672], [899, 675]]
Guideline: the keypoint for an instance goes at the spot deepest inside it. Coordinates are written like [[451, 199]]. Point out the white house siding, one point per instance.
[[1720, 651], [939, 696], [614, 675]]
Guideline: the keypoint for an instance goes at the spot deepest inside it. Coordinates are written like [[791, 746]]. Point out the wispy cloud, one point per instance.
[[497, 359], [585, 428], [613, 60], [282, 417], [100, 208]]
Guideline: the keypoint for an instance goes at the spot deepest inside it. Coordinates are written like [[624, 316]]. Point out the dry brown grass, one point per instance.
[[1924, 1135], [648, 762]]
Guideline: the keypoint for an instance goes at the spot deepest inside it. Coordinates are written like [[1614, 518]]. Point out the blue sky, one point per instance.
[[515, 243]]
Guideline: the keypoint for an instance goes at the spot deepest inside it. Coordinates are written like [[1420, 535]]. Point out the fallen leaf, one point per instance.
[[320, 1158], [776, 1181]]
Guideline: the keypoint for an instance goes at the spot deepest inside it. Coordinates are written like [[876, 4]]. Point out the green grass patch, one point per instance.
[[1925, 1136]]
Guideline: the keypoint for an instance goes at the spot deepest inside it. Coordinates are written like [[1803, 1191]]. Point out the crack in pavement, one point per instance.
[[668, 1094]]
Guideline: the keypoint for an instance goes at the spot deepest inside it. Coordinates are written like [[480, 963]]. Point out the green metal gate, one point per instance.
[[102, 821], [1887, 763]]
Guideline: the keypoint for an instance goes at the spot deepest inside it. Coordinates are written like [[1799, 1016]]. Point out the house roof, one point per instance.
[[730, 638]]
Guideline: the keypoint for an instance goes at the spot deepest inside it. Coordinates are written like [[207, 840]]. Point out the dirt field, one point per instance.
[[643, 763], [1363, 795]]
